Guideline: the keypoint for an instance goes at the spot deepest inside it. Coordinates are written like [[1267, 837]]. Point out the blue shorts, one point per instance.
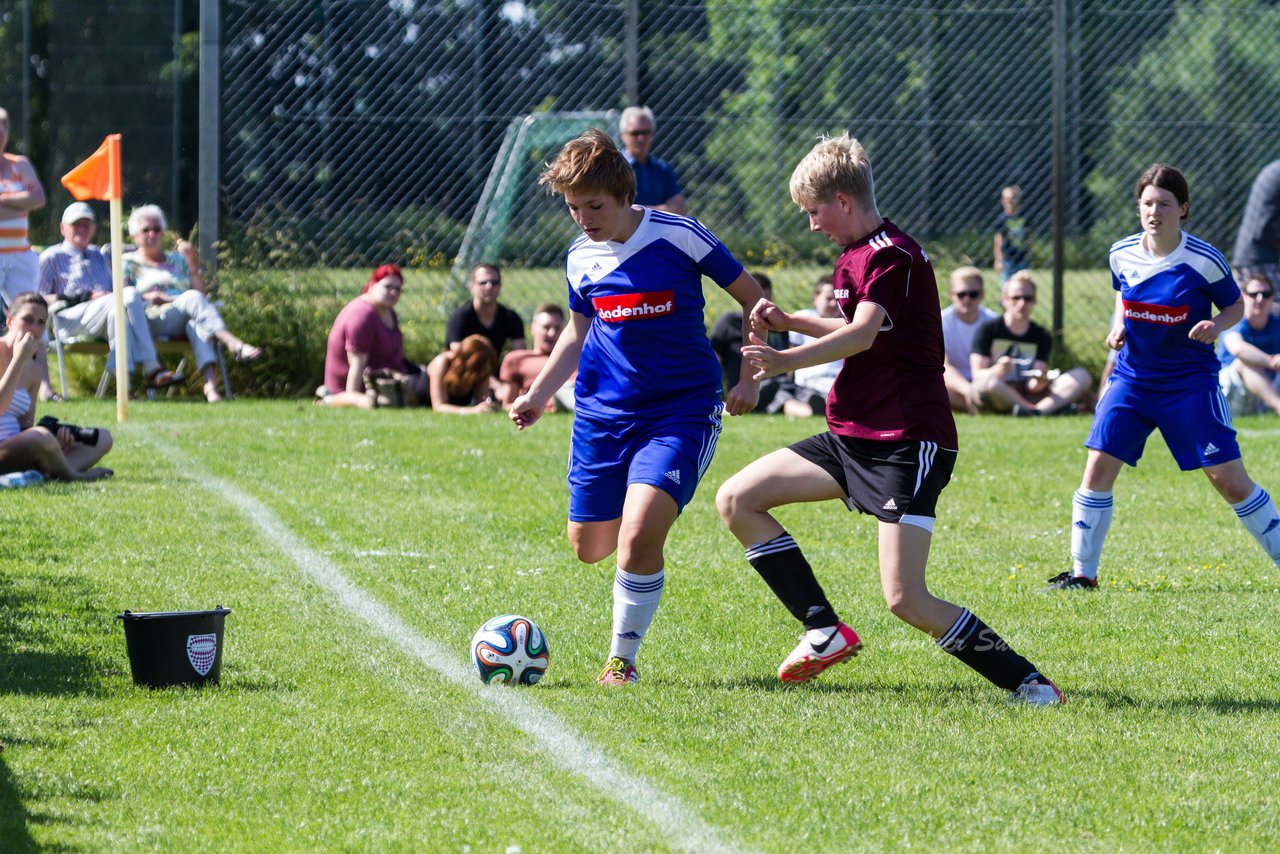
[[1195, 424], [671, 453]]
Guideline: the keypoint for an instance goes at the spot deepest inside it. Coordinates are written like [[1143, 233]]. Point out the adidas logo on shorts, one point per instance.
[[890, 505], [673, 476], [1210, 449]]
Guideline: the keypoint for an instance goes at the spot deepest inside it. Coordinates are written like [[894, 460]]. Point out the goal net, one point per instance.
[[516, 221]]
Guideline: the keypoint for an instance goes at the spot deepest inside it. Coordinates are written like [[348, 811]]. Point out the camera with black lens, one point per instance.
[[83, 435]]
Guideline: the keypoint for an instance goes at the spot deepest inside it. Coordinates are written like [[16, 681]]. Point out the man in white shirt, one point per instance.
[[960, 321]]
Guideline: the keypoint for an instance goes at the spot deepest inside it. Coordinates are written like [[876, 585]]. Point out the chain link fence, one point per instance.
[[362, 132], [357, 132], [73, 71]]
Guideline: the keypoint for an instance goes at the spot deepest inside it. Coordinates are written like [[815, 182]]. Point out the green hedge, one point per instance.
[[289, 313]]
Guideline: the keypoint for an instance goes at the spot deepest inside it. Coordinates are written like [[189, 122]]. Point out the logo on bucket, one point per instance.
[[201, 650]]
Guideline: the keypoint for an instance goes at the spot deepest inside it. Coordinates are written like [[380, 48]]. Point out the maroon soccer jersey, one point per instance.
[[893, 391]]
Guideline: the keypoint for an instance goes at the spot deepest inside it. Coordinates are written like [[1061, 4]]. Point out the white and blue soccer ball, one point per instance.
[[510, 650]]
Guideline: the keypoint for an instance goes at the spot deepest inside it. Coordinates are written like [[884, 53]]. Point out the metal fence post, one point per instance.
[[26, 77], [210, 134], [1059, 160], [631, 62]]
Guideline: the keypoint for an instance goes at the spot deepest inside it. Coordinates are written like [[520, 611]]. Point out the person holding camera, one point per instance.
[[59, 451]]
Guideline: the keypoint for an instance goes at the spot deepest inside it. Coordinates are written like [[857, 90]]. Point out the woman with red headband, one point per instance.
[[366, 337]]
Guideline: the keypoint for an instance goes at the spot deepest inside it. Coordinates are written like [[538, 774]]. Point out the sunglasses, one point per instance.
[[488, 281], [968, 294], [1022, 298], [1259, 294], [638, 133]]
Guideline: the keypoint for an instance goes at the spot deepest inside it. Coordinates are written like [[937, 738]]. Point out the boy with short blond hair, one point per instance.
[[891, 442]]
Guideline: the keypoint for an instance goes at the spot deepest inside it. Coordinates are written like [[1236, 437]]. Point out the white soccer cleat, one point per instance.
[[1038, 691], [819, 649]]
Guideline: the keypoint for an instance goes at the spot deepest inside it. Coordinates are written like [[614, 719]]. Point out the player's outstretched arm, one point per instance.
[[529, 406], [743, 396]]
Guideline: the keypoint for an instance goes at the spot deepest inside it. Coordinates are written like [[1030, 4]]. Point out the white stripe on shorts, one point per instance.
[[924, 462], [709, 442]]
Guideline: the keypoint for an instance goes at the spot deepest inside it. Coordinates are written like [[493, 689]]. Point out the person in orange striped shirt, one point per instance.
[[20, 193]]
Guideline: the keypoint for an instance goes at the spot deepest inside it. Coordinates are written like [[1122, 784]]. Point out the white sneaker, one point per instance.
[[1038, 691], [819, 649]]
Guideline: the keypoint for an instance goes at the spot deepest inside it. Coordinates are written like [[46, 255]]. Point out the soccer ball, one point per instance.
[[510, 649]]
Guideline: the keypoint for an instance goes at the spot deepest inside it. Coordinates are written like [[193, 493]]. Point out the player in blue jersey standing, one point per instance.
[[1166, 375], [648, 392]]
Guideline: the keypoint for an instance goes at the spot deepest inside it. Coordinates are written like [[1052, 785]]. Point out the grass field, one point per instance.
[[359, 551]]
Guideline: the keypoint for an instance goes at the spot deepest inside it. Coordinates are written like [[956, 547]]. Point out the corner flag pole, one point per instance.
[[117, 282], [100, 177]]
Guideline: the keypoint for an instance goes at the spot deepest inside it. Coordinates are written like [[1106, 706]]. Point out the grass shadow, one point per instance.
[[1220, 704], [13, 815], [771, 683], [41, 611]]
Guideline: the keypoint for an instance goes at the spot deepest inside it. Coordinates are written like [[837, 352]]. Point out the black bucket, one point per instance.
[[175, 647]]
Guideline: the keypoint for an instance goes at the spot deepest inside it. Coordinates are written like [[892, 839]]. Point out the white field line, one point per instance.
[[680, 825]]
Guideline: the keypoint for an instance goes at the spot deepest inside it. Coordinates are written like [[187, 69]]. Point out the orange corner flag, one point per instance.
[[99, 176]]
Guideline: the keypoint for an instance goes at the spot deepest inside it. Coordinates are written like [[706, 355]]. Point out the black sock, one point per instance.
[[978, 646], [783, 567]]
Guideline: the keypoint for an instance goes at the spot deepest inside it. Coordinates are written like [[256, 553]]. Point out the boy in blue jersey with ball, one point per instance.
[[647, 397], [1166, 375]]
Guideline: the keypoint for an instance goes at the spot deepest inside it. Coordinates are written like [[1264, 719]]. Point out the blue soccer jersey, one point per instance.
[[1164, 297], [646, 351]]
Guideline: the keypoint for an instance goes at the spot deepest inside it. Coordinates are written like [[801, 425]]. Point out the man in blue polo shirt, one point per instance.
[[656, 182]]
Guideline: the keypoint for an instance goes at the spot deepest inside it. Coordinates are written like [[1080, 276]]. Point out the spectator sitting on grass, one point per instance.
[[521, 367], [960, 322], [460, 377], [173, 286], [53, 450], [813, 384], [484, 315], [366, 338], [1250, 353], [1010, 359]]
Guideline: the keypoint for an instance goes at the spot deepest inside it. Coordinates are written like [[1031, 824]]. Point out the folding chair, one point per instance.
[[71, 345]]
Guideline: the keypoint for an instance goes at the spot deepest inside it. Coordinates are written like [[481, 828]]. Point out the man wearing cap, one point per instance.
[[79, 274]]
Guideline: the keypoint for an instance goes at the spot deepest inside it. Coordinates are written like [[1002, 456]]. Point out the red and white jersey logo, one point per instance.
[[1167, 315], [624, 307]]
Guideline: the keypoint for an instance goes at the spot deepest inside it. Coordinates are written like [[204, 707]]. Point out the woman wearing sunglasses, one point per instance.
[[171, 283], [1166, 375]]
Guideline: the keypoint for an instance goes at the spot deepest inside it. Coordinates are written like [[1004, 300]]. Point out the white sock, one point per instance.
[[1090, 519], [1258, 515], [635, 601]]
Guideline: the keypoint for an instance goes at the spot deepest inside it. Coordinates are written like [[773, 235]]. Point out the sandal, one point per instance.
[[247, 353], [160, 378]]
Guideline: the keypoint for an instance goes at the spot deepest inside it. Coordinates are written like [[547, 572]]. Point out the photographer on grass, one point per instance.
[[59, 451]]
